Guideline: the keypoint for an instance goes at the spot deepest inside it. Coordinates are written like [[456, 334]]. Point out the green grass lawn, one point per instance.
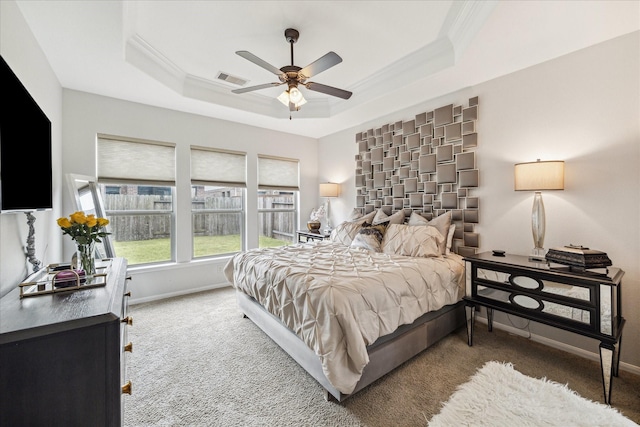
[[159, 250]]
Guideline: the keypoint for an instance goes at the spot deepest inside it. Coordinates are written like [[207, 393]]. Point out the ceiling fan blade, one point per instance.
[[258, 87], [321, 64], [251, 57], [329, 90]]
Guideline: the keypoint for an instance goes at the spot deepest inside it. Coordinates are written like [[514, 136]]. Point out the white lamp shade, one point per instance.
[[329, 189], [293, 96], [537, 176]]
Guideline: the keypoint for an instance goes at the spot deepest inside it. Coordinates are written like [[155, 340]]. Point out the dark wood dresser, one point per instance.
[[62, 356]]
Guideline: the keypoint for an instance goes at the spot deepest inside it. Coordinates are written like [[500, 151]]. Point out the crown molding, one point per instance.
[[464, 20]]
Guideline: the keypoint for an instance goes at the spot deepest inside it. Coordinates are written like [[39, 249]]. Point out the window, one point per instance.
[[277, 200], [137, 182], [218, 181]]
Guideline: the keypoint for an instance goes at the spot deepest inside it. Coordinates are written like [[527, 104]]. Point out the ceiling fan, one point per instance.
[[292, 75]]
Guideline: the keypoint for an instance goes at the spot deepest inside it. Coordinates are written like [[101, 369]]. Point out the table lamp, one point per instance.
[[328, 190], [538, 176]]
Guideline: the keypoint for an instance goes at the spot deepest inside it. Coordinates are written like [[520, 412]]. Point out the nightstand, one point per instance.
[[586, 303], [307, 236]]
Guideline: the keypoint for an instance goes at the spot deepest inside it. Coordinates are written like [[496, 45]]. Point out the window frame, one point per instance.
[[207, 170], [278, 175], [139, 150]]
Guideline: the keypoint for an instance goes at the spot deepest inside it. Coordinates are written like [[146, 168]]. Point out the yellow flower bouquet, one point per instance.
[[82, 228], [85, 230]]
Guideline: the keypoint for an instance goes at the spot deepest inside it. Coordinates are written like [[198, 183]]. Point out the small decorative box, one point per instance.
[[579, 257], [67, 278]]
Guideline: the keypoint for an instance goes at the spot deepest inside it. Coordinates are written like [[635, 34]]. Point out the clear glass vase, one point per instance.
[[85, 259]]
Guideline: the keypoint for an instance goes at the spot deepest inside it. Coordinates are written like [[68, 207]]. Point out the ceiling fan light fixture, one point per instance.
[[295, 95], [284, 98], [290, 96], [292, 75]]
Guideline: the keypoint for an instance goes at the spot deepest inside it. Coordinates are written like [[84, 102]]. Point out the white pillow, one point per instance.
[[402, 239], [345, 232], [355, 214], [364, 218], [442, 223], [452, 230], [383, 218]]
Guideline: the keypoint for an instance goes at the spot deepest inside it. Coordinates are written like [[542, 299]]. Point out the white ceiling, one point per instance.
[[395, 53]]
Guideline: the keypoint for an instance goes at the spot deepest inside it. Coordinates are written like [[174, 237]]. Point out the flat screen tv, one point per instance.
[[25, 148]]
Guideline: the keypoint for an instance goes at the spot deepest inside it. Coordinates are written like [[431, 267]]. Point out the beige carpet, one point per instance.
[[197, 362]]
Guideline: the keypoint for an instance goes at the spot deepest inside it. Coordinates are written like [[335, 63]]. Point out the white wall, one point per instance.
[[86, 115], [23, 54], [583, 108]]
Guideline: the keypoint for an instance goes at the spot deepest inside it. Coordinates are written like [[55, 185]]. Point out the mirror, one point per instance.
[[526, 302], [525, 282], [86, 198]]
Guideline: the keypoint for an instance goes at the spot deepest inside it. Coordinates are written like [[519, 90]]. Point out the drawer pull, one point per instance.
[[128, 294], [126, 389], [129, 347], [128, 320]]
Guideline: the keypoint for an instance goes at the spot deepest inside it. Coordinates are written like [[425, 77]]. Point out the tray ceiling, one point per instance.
[[395, 53]]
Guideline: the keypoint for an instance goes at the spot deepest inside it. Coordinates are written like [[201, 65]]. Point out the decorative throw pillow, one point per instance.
[[345, 232], [369, 237], [402, 239], [383, 218], [441, 223]]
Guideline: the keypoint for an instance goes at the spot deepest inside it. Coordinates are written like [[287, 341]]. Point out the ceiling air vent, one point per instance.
[[231, 79]]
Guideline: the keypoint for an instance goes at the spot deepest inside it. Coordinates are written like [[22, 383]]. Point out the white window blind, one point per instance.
[[276, 173], [125, 160], [218, 167]]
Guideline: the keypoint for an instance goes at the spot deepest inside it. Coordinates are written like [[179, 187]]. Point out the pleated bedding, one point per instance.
[[339, 299]]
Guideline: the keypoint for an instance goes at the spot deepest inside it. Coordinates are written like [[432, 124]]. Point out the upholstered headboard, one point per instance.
[[426, 164]]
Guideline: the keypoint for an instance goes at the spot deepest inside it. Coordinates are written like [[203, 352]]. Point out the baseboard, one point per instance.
[[556, 344], [157, 297]]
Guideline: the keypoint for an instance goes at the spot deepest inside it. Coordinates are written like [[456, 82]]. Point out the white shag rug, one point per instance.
[[498, 395]]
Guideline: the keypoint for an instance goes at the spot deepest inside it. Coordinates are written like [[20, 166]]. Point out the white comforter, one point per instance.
[[339, 300]]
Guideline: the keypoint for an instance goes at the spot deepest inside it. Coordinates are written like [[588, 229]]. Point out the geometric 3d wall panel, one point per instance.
[[427, 165]]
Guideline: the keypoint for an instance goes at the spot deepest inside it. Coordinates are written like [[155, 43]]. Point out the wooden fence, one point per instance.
[[279, 225]]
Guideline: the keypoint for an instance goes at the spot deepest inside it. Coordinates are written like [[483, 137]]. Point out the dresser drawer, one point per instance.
[[541, 298], [61, 356]]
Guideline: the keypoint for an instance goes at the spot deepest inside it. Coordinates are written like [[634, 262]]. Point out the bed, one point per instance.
[[347, 312]]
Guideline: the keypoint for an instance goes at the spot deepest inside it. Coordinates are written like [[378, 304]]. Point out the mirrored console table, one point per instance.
[[587, 303]]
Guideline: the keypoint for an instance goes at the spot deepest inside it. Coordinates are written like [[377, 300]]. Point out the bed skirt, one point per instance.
[[387, 353]]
